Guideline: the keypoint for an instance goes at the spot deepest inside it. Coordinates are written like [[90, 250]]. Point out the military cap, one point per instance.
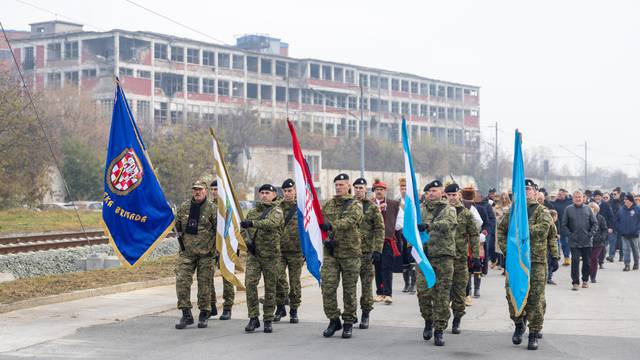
[[597, 192], [452, 188], [360, 181], [289, 183], [433, 184], [342, 176], [267, 187], [530, 183], [214, 183], [199, 184], [379, 184]]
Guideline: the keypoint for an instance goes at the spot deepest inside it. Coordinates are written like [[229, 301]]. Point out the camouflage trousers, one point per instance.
[[267, 268], [367, 274], [228, 294], [291, 288], [536, 304], [332, 269], [459, 286], [434, 302], [186, 265]]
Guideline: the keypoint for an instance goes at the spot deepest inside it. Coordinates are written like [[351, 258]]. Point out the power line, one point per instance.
[[44, 132], [57, 14]]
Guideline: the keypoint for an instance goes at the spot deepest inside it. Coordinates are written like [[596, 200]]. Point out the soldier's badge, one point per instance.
[[125, 172]]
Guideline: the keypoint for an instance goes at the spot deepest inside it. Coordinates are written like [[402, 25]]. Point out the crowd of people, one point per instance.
[[365, 242]]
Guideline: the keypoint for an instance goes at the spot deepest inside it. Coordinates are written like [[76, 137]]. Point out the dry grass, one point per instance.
[[25, 221]]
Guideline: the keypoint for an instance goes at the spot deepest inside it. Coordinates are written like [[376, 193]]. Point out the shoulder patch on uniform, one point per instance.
[[278, 209]]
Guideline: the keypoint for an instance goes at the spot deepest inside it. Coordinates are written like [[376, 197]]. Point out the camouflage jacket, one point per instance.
[[539, 224], [467, 235], [265, 233], [344, 213], [290, 243], [552, 241], [371, 228], [203, 242], [442, 220]]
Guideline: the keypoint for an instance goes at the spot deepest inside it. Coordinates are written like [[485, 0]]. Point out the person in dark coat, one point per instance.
[[615, 241], [580, 225], [488, 228], [628, 225], [562, 201], [607, 214], [599, 240]]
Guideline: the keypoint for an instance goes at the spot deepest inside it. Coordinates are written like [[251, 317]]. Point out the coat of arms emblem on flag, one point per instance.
[[125, 172]]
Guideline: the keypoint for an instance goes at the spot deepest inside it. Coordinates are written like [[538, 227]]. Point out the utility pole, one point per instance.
[[497, 162], [361, 130], [585, 166]]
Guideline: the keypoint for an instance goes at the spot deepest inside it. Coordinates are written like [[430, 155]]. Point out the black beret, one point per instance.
[[360, 181], [433, 184], [530, 183], [492, 190], [214, 183], [267, 187], [289, 183], [342, 176], [452, 188], [597, 192]]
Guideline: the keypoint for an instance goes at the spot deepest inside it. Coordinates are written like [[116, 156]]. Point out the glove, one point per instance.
[[326, 227], [375, 257], [423, 227], [476, 265], [555, 264], [251, 248], [330, 246], [245, 224]]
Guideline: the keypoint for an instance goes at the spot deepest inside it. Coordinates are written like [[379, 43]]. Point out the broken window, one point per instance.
[[123, 71], [177, 53], [281, 93], [160, 111], [54, 80], [89, 73], [193, 84], [144, 74], [71, 77], [53, 51], [134, 50], [168, 83], [208, 86], [71, 50], [224, 60], [281, 68], [326, 73], [265, 92], [160, 51], [193, 56], [314, 71], [252, 89], [237, 89], [252, 64], [238, 62], [223, 87], [101, 49], [338, 74], [209, 58]]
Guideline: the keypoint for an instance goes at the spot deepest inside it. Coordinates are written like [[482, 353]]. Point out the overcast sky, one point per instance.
[[561, 71]]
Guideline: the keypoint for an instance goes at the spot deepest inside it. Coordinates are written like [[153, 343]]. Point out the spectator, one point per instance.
[[628, 225], [580, 225], [560, 205], [615, 241], [502, 206], [599, 240], [488, 229], [607, 213]]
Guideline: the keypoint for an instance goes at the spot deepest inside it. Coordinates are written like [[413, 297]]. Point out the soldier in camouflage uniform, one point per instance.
[[291, 257], [263, 231], [372, 241], [439, 219], [342, 253], [228, 292], [196, 228], [467, 239], [539, 225]]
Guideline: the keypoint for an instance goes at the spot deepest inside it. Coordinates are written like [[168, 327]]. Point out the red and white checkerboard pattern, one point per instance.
[[126, 172]]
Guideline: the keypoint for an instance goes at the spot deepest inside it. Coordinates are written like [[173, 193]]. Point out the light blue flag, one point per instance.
[[412, 214], [518, 250]]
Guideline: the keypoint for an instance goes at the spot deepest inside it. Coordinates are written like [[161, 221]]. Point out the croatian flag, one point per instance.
[[309, 212], [412, 214]]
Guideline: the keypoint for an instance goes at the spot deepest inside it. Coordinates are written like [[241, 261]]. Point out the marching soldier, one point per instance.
[[440, 221], [342, 217], [196, 227], [228, 292], [539, 224], [263, 231], [372, 240], [291, 258], [467, 240]]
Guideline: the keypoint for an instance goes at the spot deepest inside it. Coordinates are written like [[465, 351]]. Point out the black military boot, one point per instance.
[[533, 340], [293, 316], [280, 313], [364, 320], [203, 319], [226, 314], [455, 326], [334, 325], [347, 331], [539, 333], [253, 324], [186, 319], [406, 277], [427, 333], [516, 339], [438, 338], [476, 285], [267, 326], [412, 280], [214, 310]]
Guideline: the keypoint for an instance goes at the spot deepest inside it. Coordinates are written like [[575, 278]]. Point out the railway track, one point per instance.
[[29, 243]]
